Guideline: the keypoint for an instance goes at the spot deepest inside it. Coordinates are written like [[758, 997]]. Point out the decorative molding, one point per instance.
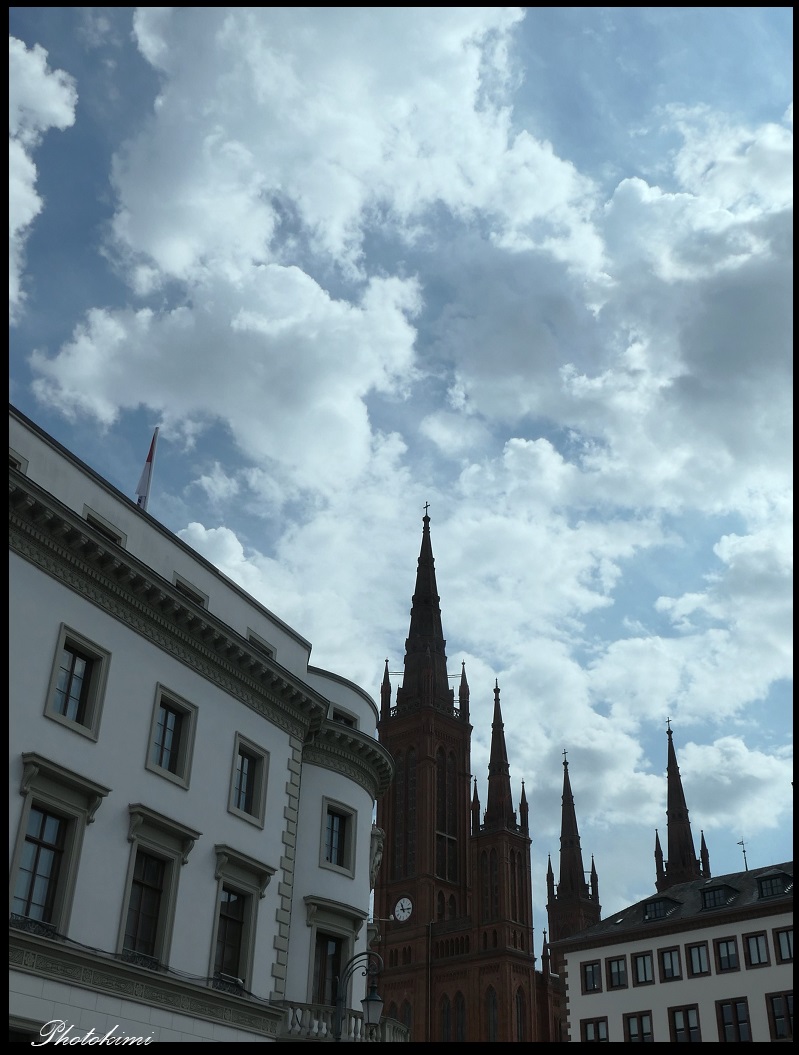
[[353, 754], [60, 543], [227, 858], [90, 971], [142, 818], [35, 766]]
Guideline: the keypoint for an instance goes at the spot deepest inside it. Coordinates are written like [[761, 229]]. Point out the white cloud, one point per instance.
[[38, 99]]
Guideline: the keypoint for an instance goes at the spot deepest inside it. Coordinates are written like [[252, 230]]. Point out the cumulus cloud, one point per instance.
[[38, 99]]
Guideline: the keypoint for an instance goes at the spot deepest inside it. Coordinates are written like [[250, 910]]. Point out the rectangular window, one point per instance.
[[343, 718], [40, 867], [780, 1015], [191, 592], [260, 645], [643, 973], [338, 837], [104, 527], [242, 884], [247, 798], [698, 959], [670, 968], [755, 950], [594, 1030], [144, 905], [172, 737], [617, 973], [328, 961], [714, 898], [58, 805], [657, 909], [684, 1024], [592, 977], [638, 1028], [159, 847], [230, 934], [77, 683], [771, 886], [733, 1020], [726, 950], [783, 944]]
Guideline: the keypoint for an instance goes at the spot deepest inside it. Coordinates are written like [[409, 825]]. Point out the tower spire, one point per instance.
[[499, 807], [425, 679], [572, 874], [682, 864]]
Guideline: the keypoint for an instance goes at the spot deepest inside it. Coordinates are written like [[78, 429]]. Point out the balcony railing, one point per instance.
[[315, 1022]]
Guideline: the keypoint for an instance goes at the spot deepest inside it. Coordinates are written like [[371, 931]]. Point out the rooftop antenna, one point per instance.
[[743, 850]]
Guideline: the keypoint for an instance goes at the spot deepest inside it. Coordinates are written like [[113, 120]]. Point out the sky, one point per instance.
[[531, 266]]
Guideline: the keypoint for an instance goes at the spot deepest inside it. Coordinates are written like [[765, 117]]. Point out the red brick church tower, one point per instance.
[[453, 897]]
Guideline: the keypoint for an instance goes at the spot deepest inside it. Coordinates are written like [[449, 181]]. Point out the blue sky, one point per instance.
[[532, 266]]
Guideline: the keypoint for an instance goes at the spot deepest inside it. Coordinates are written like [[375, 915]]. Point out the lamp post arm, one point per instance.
[[369, 965]]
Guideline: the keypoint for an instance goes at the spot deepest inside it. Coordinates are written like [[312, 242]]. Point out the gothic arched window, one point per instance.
[[491, 1014]]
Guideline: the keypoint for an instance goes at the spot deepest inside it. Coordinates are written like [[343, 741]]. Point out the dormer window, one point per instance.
[[657, 909], [771, 886], [717, 896]]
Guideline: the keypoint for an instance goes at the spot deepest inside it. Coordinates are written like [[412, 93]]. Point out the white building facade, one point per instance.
[[190, 802], [707, 960]]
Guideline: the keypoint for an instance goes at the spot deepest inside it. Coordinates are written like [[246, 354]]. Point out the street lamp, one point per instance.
[[372, 1002]]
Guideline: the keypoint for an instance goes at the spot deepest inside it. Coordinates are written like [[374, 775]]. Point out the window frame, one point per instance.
[[736, 1023], [596, 1023], [188, 713], [638, 1015], [350, 816], [689, 967], [684, 1009], [190, 591], [672, 953], [246, 876], [786, 996], [609, 973], [109, 531], [337, 920], [166, 839], [243, 745], [745, 939], [100, 660], [63, 793], [776, 935], [634, 958], [591, 970], [717, 957]]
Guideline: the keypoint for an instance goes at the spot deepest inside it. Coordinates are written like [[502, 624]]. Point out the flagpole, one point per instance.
[[146, 480]]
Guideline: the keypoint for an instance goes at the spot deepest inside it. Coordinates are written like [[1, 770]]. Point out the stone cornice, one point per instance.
[[353, 754], [48, 958], [57, 540]]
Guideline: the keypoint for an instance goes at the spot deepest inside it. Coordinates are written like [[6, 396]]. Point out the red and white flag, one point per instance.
[[143, 487]]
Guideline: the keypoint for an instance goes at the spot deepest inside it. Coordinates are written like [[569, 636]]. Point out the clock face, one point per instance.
[[403, 909]]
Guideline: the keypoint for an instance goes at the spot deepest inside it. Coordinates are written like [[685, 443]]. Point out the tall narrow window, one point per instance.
[[638, 1028], [446, 1019], [248, 781], [493, 865], [230, 932], [670, 969], [698, 961], [521, 1015], [58, 805], [726, 954], [77, 683], [460, 1017], [592, 977], [491, 1014], [780, 1015], [684, 1024], [617, 973], [144, 905], [783, 943], [172, 737], [338, 837], [327, 968], [643, 973], [756, 950], [733, 1019], [446, 817], [398, 857], [40, 867]]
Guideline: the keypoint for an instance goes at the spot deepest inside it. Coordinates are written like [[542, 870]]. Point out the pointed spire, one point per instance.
[[550, 880], [499, 808], [463, 694], [704, 857], [385, 695], [572, 875], [524, 812], [425, 679], [682, 864], [594, 881], [475, 809], [660, 874]]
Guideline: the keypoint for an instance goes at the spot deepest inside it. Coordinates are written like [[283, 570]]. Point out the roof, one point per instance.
[[683, 907]]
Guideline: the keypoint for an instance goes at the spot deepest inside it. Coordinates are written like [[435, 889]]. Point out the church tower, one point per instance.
[[453, 898], [575, 904], [682, 865]]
